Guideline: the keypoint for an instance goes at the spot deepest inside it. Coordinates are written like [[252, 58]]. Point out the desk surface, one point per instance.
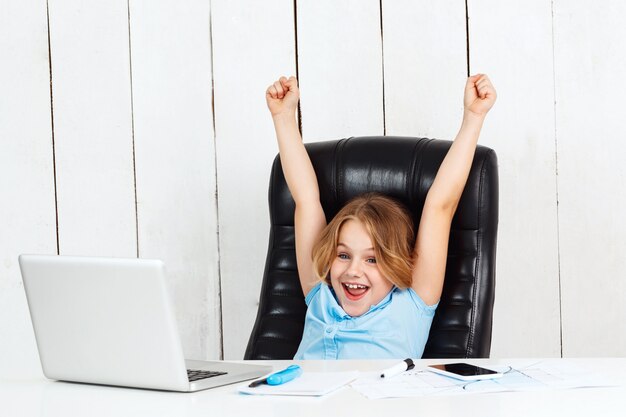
[[41, 397]]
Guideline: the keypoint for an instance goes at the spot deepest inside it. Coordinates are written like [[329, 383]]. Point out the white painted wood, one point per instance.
[[340, 68], [425, 54], [253, 44], [590, 90], [511, 42], [92, 127], [27, 210], [175, 161]]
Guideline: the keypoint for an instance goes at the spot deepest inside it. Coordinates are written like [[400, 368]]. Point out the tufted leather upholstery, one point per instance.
[[403, 168]]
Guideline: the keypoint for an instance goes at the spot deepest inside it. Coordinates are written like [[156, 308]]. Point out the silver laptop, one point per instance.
[[109, 321]]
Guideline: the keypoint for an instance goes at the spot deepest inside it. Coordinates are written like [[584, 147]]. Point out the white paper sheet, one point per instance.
[[309, 384], [529, 376]]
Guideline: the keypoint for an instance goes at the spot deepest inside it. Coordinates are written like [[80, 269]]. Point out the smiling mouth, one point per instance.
[[354, 291]]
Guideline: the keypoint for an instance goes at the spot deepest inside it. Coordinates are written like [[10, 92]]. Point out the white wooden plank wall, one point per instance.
[[175, 161], [590, 89], [92, 127], [253, 44], [340, 68], [511, 41], [27, 212], [355, 80], [425, 67]]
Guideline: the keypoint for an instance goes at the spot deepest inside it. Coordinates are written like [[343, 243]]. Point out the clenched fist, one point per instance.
[[282, 96], [479, 95]]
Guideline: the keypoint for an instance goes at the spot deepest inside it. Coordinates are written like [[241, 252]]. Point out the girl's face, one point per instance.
[[354, 274]]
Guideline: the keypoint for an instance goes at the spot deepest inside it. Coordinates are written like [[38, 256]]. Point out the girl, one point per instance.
[[370, 287]]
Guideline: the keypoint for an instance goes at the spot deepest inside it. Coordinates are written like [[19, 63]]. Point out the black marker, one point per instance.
[[403, 366]]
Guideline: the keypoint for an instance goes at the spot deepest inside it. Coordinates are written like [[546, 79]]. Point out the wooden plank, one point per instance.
[[92, 127], [245, 34], [425, 67], [512, 44], [27, 211], [340, 68], [590, 90], [175, 161]]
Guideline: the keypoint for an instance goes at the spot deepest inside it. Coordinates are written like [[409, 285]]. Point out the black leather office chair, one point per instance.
[[403, 168]]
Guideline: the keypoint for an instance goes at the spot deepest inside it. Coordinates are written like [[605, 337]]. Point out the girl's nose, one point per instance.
[[355, 269]]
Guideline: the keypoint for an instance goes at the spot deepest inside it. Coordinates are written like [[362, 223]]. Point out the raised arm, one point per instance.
[[282, 100], [431, 246]]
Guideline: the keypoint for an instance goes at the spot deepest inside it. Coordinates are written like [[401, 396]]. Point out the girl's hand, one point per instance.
[[479, 95], [282, 96]]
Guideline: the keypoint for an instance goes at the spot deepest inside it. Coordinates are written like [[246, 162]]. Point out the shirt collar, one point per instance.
[[382, 303]]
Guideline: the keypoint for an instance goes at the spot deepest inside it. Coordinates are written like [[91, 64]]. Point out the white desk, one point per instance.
[[40, 397]]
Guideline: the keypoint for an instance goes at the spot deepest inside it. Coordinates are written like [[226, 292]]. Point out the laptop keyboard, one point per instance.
[[197, 374]]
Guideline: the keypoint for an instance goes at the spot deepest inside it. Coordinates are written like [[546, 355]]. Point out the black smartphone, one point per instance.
[[464, 371]]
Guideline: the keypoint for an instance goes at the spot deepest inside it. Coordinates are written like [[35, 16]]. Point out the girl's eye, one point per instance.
[[371, 260], [343, 256]]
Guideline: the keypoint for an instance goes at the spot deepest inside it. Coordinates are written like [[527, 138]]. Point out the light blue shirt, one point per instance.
[[395, 328]]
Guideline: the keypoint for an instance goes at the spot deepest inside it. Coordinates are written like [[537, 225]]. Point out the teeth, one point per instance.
[[355, 286]]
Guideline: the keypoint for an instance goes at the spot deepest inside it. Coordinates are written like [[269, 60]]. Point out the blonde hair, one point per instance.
[[391, 229]]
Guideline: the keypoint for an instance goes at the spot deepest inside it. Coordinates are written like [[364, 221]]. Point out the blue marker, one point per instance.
[[280, 377]]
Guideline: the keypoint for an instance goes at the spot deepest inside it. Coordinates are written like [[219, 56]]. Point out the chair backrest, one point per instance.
[[403, 168]]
